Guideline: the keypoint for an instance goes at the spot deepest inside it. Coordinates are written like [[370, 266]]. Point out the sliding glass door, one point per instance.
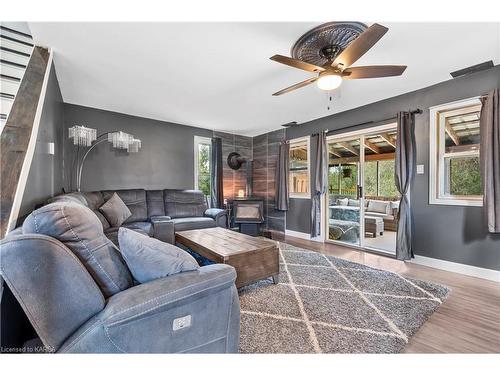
[[362, 201], [344, 191]]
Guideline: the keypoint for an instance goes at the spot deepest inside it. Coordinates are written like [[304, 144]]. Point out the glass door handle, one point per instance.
[[360, 191]]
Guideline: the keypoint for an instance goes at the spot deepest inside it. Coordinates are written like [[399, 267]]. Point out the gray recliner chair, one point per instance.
[[79, 295]]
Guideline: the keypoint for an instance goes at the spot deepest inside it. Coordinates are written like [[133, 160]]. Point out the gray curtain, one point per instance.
[[320, 182], [217, 195], [281, 195], [490, 159], [404, 173]]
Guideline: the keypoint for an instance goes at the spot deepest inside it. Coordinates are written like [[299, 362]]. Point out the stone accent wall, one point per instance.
[[265, 156], [234, 180]]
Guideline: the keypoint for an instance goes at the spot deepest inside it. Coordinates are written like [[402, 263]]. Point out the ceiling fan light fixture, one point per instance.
[[329, 82]]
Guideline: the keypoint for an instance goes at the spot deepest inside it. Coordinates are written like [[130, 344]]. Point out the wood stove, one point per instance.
[[248, 214]]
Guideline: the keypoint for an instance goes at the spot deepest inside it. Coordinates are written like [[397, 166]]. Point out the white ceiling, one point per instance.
[[219, 76]]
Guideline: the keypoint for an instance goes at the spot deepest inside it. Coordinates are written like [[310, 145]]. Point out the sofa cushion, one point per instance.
[[134, 199], [92, 200], [141, 226], [155, 204], [70, 197], [115, 211], [383, 207], [188, 223], [184, 203], [342, 201], [149, 259], [78, 228], [378, 214], [353, 202]]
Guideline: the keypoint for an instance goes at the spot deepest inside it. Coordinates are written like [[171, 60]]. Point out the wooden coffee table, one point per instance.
[[254, 258]]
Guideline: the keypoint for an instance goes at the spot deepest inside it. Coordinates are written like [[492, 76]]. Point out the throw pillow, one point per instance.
[[115, 211], [149, 259], [342, 201], [380, 207], [353, 202]]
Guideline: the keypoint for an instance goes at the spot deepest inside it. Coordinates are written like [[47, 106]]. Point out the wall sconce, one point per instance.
[[241, 193]]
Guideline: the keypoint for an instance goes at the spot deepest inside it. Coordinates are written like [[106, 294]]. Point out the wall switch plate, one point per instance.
[[180, 323], [50, 148], [420, 169]]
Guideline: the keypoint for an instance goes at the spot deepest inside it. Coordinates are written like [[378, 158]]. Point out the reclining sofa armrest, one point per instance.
[[52, 286], [195, 311], [163, 229], [219, 215]]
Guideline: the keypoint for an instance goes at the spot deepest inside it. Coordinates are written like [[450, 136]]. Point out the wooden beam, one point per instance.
[[349, 148], [372, 146], [451, 133], [372, 157], [335, 153], [462, 148], [386, 137]]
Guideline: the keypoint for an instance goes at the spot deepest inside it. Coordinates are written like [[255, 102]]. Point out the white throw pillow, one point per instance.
[[353, 202], [342, 201], [379, 206]]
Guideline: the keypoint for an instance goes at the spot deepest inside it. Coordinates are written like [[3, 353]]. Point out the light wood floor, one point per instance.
[[467, 322]]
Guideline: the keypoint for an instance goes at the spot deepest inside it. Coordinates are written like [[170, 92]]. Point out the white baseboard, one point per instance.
[[464, 269], [302, 235]]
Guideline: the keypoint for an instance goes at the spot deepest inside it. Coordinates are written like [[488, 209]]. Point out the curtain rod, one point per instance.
[[417, 111]]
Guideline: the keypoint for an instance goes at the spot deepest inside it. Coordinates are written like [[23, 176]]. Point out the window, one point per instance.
[[202, 151], [455, 175], [299, 168]]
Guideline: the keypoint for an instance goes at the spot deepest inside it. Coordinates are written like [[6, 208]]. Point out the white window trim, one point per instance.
[[308, 194], [197, 141], [435, 167]]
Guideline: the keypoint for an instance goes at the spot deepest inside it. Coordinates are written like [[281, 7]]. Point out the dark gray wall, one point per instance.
[[165, 161], [45, 178], [450, 233]]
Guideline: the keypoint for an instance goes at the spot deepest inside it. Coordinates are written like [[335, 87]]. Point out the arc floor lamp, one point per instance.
[[87, 137]]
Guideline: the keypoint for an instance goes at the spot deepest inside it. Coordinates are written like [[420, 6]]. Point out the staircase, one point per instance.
[[16, 48], [24, 70]]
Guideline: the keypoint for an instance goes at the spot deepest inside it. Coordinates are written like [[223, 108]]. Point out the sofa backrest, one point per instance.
[[80, 230], [142, 204], [184, 203], [92, 200], [134, 199], [154, 200]]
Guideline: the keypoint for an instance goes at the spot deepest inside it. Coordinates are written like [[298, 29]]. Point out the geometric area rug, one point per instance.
[[325, 304]]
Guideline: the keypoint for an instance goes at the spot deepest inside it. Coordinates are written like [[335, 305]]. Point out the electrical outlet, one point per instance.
[[420, 169], [180, 323]]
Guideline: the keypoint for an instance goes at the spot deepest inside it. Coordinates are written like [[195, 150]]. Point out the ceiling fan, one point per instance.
[[330, 49]]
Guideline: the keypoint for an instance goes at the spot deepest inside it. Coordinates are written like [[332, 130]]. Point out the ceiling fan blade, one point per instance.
[[360, 45], [296, 86], [373, 71], [299, 64]]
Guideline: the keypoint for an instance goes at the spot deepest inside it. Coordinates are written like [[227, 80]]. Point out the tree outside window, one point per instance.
[[202, 164]]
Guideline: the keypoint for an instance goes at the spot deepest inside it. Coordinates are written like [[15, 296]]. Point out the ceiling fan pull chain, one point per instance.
[[329, 103]]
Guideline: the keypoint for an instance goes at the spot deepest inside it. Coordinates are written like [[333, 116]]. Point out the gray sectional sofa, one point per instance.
[[156, 213], [76, 289]]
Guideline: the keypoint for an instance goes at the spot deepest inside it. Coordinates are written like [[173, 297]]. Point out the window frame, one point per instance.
[[437, 154], [307, 195], [198, 140]]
